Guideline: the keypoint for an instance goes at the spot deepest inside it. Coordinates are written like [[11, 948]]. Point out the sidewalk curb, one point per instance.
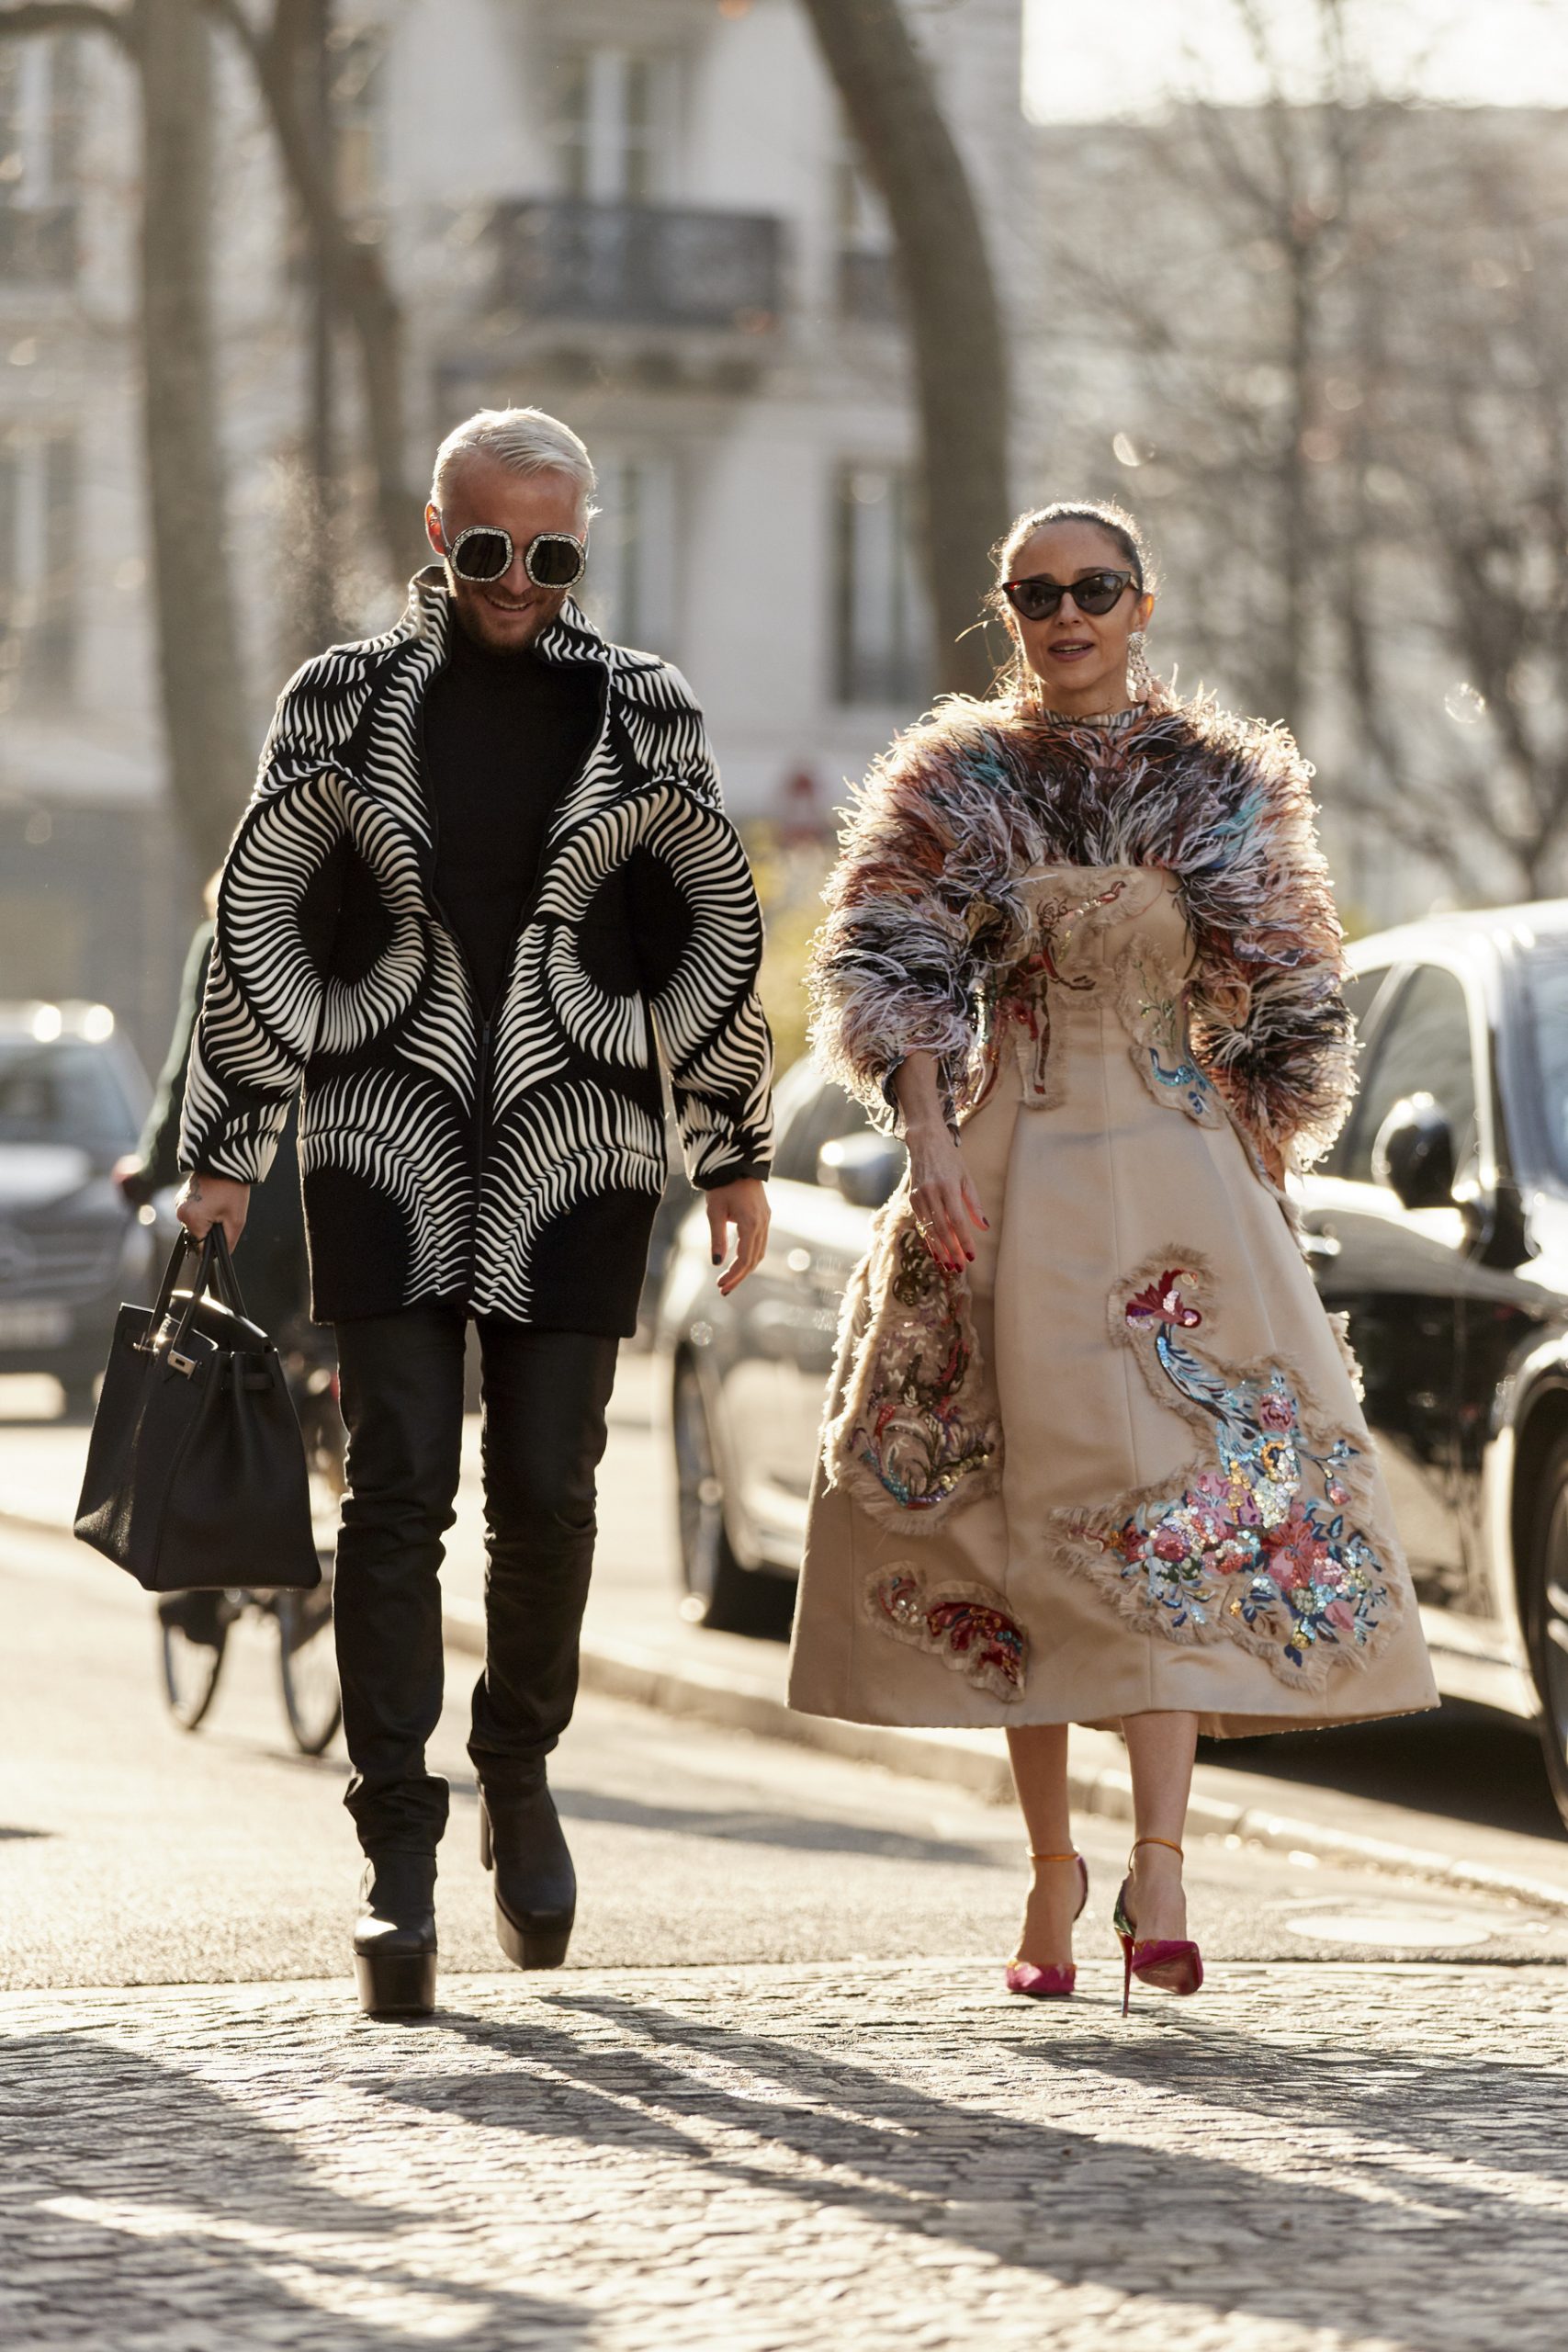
[[736, 1702], [732, 1701]]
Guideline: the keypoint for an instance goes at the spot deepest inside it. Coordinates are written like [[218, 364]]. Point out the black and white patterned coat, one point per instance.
[[510, 1167]]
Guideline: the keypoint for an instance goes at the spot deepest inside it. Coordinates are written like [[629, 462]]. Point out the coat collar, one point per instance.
[[384, 756], [427, 621]]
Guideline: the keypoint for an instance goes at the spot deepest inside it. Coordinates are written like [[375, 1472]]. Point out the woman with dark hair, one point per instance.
[[1094, 1452]]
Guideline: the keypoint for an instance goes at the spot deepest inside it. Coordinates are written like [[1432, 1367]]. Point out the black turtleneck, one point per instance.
[[505, 735]]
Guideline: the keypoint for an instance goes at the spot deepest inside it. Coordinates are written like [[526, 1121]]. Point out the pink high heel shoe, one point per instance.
[[1049, 1983], [1167, 1962]]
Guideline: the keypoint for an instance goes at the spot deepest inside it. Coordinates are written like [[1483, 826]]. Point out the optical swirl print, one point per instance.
[[507, 1161]]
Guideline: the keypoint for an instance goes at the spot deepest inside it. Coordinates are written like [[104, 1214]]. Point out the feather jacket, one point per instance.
[[927, 916], [506, 1160]]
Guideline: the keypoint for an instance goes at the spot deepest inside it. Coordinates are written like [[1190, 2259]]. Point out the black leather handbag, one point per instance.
[[196, 1471]]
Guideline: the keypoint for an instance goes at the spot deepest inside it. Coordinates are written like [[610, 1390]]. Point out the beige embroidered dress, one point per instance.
[[1120, 1464]]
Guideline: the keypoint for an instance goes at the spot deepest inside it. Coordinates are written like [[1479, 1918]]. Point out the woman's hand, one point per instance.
[[945, 1203]]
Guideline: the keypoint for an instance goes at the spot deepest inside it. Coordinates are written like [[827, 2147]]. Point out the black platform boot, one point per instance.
[[535, 1886], [394, 1940]]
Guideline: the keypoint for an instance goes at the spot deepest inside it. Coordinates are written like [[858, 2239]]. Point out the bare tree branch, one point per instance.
[[210, 754], [351, 269]]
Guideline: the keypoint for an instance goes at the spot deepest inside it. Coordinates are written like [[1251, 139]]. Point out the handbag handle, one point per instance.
[[214, 1272], [227, 1284]]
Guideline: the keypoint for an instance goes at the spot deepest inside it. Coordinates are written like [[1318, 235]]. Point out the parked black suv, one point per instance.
[[1439, 1221]]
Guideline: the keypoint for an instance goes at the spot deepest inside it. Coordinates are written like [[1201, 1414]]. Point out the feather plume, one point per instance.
[[925, 913]]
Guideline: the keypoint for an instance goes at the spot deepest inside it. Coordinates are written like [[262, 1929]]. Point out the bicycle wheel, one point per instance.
[[307, 1664], [193, 1630]]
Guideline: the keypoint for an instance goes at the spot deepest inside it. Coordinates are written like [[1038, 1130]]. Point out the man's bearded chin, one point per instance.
[[497, 631]]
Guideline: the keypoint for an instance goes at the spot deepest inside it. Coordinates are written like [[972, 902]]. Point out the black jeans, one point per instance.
[[544, 1395]]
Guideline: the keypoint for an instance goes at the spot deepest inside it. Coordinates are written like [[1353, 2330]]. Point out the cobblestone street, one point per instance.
[[777, 2157], [778, 2099]]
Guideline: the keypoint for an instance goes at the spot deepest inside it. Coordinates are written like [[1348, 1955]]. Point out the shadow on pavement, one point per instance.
[[798, 1833], [1180, 2222], [795, 1832], [1457, 1760], [157, 2212]]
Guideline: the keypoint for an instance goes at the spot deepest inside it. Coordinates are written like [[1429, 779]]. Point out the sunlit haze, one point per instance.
[[1083, 66]]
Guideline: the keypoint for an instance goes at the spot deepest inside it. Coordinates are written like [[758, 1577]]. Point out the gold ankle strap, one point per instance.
[[1154, 1841], [1051, 1857]]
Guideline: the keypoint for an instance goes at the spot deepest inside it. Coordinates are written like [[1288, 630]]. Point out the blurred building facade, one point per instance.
[[83, 853], [643, 214]]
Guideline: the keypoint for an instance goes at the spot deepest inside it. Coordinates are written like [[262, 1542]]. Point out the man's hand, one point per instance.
[[207, 1201], [744, 1206]]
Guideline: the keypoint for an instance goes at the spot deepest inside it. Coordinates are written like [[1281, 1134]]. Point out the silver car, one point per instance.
[[744, 1378]]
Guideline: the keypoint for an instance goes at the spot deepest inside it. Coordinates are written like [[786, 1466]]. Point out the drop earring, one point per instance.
[[1140, 677]]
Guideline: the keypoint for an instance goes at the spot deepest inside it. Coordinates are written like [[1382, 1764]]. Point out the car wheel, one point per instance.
[[1546, 1616], [720, 1594]]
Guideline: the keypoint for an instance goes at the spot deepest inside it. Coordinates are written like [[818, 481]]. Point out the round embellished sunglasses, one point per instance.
[[1037, 599], [484, 553]]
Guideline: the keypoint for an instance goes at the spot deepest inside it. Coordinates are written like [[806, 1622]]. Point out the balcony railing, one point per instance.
[[38, 244], [640, 264]]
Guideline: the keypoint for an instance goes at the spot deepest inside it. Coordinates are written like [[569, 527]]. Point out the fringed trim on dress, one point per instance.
[[1339, 1324], [914, 1429]]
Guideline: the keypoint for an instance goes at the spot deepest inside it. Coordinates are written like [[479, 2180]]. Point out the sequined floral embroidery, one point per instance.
[[913, 1433], [967, 1626], [1259, 1546]]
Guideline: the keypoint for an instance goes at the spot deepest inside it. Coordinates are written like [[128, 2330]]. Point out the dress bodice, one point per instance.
[[1087, 918], [1105, 970]]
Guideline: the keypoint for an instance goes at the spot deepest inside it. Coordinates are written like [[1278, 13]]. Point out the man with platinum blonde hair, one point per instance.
[[524, 440], [484, 890]]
